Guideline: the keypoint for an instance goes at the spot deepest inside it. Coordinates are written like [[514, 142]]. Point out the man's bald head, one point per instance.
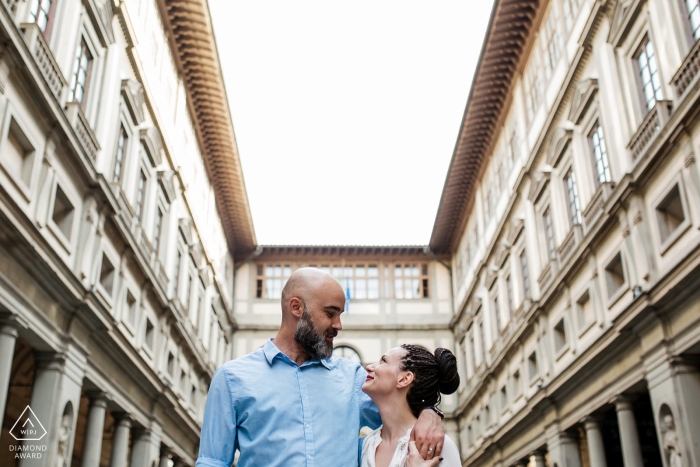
[[306, 283]]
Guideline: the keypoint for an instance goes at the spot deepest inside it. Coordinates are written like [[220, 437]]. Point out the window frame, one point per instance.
[[638, 51], [677, 233], [595, 128], [572, 197]]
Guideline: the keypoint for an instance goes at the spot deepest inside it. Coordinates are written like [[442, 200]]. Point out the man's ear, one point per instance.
[[405, 380], [296, 307]]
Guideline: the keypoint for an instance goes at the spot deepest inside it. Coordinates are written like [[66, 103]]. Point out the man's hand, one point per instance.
[[415, 460], [429, 434]]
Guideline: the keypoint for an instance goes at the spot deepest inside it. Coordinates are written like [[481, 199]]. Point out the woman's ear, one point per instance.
[[405, 380]]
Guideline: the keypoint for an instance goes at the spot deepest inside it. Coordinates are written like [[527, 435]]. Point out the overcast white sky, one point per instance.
[[346, 112]]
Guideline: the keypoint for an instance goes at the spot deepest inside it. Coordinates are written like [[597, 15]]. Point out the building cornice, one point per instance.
[[501, 53], [345, 252], [189, 27]]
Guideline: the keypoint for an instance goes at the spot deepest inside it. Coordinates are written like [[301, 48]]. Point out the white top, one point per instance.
[[450, 453]]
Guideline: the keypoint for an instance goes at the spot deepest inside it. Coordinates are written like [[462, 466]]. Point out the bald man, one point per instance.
[[290, 403]]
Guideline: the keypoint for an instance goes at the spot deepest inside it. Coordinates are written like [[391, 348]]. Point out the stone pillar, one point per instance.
[[538, 457], [92, 446], [120, 441], [8, 337], [629, 439], [45, 405], [166, 456], [146, 447], [563, 448], [596, 449]]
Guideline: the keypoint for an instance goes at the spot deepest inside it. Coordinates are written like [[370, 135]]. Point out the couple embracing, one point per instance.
[[290, 404]]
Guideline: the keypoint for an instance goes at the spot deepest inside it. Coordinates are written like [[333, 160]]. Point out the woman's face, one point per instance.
[[385, 376]]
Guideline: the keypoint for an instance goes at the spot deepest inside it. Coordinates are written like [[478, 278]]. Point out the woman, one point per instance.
[[405, 381]]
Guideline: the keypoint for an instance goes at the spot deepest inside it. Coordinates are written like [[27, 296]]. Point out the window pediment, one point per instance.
[[516, 227], [185, 224], [560, 142], [132, 92], [101, 14], [165, 177], [491, 276], [539, 181], [583, 97], [623, 17], [150, 137]]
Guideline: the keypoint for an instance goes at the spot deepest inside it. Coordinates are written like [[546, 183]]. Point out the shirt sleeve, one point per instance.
[[450, 454], [218, 440], [369, 413]]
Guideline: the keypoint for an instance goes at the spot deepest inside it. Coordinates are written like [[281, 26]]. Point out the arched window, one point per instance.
[[343, 351]]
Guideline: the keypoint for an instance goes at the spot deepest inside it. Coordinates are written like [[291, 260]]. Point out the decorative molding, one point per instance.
[[151, 139], [185, 224], [584, 93], [165, 177], [624, 14], [538, 183], [101, 14], [517, 225], [132, 92], [561, 139]]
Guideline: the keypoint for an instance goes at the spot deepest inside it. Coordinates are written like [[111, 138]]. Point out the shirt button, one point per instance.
[[309, 457], [307, 425]]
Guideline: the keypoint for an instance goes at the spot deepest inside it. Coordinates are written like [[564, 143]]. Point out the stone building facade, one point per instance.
[[117, 237], [570, 218]]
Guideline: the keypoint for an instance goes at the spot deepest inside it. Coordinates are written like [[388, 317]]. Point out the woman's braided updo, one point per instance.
[[432, 374]]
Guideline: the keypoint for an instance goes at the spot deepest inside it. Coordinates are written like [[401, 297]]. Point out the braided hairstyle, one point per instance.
[[432, 374]]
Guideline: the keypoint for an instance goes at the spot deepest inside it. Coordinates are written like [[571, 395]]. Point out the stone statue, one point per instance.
[[63, 438], [671, 448]]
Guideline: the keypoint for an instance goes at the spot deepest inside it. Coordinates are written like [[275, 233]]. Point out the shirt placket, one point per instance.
[[306, 417]]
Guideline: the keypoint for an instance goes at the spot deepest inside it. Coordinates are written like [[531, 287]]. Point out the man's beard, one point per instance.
[[310, 340]]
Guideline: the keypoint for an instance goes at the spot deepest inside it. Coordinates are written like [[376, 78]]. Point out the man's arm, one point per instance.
[[218, 440], [429, 434]]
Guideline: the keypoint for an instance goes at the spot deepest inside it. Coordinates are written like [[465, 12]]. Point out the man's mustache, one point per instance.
[[331, 332]]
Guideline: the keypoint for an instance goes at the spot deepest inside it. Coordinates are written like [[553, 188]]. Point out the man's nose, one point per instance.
[[336, 324]]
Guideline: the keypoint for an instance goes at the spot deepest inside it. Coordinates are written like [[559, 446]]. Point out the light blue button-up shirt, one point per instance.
[[280, 414]]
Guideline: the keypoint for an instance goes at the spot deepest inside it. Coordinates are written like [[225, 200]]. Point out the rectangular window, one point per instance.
[[140, 195], [532, 80], [572, 193], [560, 336], [63, 212], [532, 366], [188, 292], [81, 74], [525, 274], [272, 278], [509, 290], [600, 155], [176, 279], [149, 337], [553, 41], [411, 281], [472, 351], [360, 281], [693, 7], [549, 233], [482, 338], [107, 274], [158, 229], [497, 315], [42, 13], [670, 214], [615, 275], [119, 158], [649, 74], [571, 8]]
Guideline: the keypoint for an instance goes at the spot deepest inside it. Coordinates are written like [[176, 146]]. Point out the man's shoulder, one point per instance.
[[256, 357], [343, 364]]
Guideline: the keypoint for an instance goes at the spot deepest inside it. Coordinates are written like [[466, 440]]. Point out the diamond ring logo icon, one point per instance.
[[28, 427]]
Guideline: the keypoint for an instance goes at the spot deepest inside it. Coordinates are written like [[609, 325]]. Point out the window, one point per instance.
[[560, 336], [571, 8], [549, 234], [158, 229], [504, 397], [497, 315], [193, 395], [183, 381], [482, 338], [42, 13], [584, 311], [119, 158], [525, 274], [178, 266], [509, 291], [81, 74], [572, 193], [170, 367], [411, 281], [18, 154], [552, 36], [63, 213], [140, 196], [274, 277], [343, 351], [693, 7], [517, 384], [360, 281], [600, 155], [188, 291], [472, 351], [649, 74], [150, 334], [131, 307], [532, 366], [532, 81], [106, 274], [614, 275], [669, 214]]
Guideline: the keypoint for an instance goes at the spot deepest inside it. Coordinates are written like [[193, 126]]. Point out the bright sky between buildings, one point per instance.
[[346, 113]]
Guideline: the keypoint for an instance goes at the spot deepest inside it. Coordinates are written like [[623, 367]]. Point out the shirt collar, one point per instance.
[[271, 351]]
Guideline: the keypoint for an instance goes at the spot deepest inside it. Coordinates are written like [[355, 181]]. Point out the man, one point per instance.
[[289, 403]]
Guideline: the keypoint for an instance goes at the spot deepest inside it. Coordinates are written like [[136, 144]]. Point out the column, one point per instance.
[[165, 457], [538, 457], [92, 446], [120, 441], [563, 448], [8, 337], [45, 405], [629, 439], [596, 449], [146, 447]]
